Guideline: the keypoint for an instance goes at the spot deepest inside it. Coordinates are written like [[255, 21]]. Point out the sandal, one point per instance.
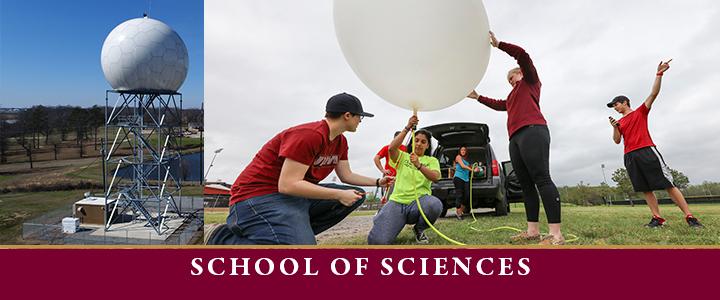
[[552, 240], [524, 236]]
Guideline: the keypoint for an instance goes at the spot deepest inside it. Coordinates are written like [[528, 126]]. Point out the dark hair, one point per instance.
[[396, 133], [462, 146], [427, 135], [619, 99], [333, 115]]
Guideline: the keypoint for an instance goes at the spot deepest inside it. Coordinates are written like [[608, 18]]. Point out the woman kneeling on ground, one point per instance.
[[415, 173]]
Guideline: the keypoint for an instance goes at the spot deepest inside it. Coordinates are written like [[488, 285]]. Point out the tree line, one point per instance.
[[586, 194], [44, 126]]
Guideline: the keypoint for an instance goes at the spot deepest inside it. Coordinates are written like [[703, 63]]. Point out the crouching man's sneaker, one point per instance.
[[420, 237], [693, 221], [656, 222]]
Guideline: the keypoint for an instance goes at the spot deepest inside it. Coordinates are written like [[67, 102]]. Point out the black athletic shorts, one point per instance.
[[647, 170]]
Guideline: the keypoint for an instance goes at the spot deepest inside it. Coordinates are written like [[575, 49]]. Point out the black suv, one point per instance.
[[496, 188]]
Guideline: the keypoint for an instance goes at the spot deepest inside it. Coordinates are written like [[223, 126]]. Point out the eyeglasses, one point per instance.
[[361, 116]]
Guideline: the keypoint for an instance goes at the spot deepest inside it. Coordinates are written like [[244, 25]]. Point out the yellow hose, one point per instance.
[[422, 213]]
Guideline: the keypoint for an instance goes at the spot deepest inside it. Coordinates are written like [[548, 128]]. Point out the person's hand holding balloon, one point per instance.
[[493, 40], [473, 95]]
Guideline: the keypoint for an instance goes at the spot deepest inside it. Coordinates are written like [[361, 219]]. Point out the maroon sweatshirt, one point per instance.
[[523, 103]]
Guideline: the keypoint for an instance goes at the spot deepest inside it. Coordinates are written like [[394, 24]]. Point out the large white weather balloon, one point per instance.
[[144, 54], [416, 54]]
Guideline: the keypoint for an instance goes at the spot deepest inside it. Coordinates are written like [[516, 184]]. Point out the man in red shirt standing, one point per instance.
[[529, 145], [645, 166], [387, 170], [277, 199]]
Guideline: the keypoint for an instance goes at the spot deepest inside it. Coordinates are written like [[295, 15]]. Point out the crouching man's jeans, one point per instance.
[[282, 219]]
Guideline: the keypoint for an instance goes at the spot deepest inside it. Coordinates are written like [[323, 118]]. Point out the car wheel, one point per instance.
[[501, 206]]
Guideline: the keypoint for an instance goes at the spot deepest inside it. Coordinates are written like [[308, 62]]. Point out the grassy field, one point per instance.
[[5, 177], [593, 225], [56, 184], [16, 208]]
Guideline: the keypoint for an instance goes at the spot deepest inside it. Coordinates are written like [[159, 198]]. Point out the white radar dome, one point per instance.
[[144, 54]]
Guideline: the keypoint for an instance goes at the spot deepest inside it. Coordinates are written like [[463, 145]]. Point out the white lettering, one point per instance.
[[465, 267], [524, 264], [361, 265], [387, 269], [211, 264], [308, 267], [479, 266], [196, 266], [401, 267], [505, 265], [270, 268], [441, 266], [346, 264], [423, 271], [243, 266], [295, 266]]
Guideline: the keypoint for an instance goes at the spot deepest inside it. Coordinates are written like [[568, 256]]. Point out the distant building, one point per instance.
[[216, 194], [195, 127]]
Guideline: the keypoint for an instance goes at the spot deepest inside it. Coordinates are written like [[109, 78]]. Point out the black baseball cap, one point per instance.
[[344, 102], [620, 98]]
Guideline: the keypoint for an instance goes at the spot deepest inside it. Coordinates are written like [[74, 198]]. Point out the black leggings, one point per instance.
[[462, 192], [530, 154]]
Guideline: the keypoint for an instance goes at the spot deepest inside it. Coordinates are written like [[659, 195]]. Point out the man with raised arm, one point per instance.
[[645, 166]]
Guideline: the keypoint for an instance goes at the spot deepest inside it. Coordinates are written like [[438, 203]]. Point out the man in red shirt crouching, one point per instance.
[[277, 199], [645, 166]]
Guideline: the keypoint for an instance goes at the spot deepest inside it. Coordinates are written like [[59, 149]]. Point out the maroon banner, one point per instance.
[[359, 273]]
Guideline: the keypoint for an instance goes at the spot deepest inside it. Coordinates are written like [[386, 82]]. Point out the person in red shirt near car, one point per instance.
[[278, 199], [387, 170], [529, 144], [644, 164]]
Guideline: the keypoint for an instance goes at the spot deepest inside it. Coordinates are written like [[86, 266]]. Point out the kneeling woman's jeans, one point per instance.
[[392, 217]]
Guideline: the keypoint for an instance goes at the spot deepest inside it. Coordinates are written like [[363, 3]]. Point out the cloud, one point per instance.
[[270, 65]]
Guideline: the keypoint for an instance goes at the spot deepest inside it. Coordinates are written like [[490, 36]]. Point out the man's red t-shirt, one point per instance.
[[385, 153], [308, 144], [634, 129]]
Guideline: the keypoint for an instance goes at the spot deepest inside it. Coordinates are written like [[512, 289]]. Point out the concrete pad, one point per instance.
[[137, 230]]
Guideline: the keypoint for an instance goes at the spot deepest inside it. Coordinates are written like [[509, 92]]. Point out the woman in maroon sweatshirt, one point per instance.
[[529, 144]]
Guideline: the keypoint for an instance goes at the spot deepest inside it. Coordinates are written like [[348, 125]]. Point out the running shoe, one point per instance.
[[656, 222], [421, 237], [693, 222]]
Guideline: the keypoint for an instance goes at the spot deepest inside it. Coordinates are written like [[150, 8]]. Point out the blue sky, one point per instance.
[[50, 50]]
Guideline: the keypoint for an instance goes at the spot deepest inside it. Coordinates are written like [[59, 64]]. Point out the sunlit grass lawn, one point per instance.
[[16, 208], [592, 225]]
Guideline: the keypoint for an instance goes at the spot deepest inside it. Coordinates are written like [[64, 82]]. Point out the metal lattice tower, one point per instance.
[[147, 129]]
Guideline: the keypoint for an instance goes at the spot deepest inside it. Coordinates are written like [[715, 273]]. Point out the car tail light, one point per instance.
[[495, 168]]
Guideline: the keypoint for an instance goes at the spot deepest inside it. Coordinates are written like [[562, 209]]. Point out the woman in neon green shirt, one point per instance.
[[415, 173]]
